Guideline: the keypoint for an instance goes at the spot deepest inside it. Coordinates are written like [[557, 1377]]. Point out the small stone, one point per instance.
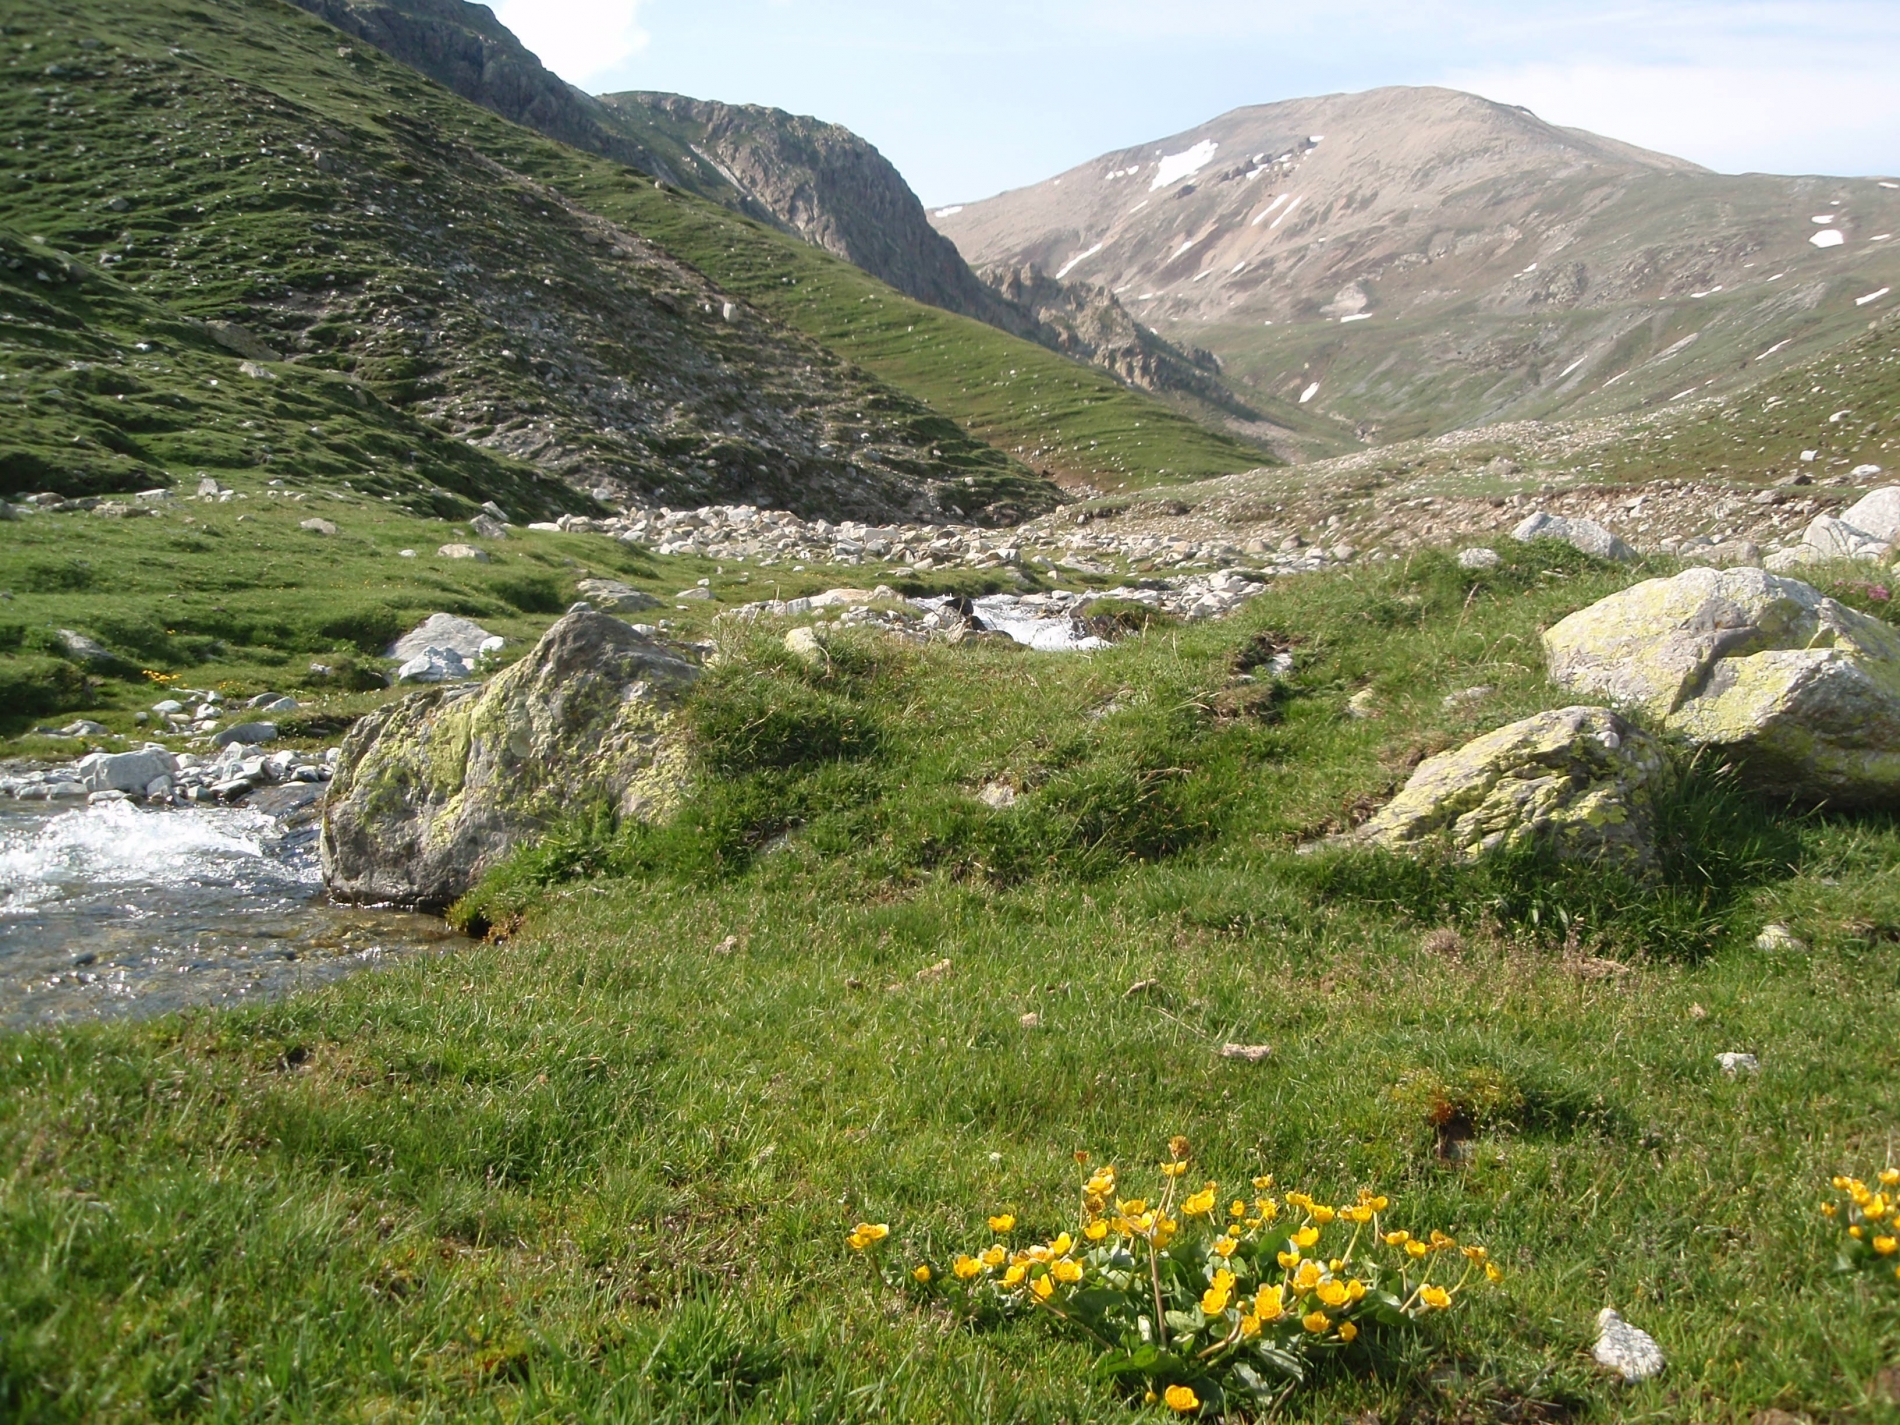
[[97, 798], [488, 527], [1632, 1354], [433, 665], [1030, 1021], [805, 645], [463, 551], [1734, 1065], [1246, 1053], [318, 526], [405, 554], [998, 796], [1778, 937], [1586, 536], [1466, 696], [86, 650], [1696, 1011], [700, 595], [1479, 558], [1363, 704], [726, 946]]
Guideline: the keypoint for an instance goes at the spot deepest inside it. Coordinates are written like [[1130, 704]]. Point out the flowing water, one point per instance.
[[116, 909]]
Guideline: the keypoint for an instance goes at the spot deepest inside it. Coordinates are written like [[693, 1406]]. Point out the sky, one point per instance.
[[972, 97]]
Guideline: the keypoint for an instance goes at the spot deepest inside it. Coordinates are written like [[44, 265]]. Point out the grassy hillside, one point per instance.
[[236, 163], [1055, 415], [604, 1170]]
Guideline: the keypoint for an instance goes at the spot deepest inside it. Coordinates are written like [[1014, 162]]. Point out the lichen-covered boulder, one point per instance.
[[1580, 782], [433, 790], [1803, 692]]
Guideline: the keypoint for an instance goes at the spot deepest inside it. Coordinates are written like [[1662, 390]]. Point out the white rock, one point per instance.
[[699, 595], [463, 551], [1479, 558], [1631, 1353], [1735, 1064], [1830, 538], [433, 665], [462, 635], [318, 526], [997, 796], [1778, 937], [1865, 472], [1878, 513], [1585, 535], [124, 771], [168, 707]]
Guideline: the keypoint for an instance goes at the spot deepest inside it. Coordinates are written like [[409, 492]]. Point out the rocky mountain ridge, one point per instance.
[[1418, 260]]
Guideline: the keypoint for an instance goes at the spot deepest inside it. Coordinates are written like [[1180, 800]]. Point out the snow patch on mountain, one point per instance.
[[1178, 167]]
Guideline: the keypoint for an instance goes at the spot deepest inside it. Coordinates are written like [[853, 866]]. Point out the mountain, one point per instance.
[[1416, 260], [824, 185]]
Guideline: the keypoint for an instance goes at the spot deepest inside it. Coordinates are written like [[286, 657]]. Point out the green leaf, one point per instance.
[[1283, 1363]]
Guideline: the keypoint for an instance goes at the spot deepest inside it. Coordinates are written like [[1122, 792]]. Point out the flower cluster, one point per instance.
[[1871, 1217], [1198, 1294]]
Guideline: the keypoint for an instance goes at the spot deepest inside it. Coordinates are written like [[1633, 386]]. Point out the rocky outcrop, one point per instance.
[[1580, 782], [1803, 691], [1864, 533], [432, 791]]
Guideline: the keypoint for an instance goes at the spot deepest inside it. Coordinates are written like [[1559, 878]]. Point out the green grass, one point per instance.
[[602, 1170], [238, 597]]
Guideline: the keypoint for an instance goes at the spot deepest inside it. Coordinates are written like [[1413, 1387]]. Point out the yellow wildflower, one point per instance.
[[1435, 1297], [1890, 1177], [1173, 1170], [921, 1273], [1267, 1208], [1199, 1204], [1214, 1300], [1263, 1182], [1289, 1260], [1323, 1215], [1249, 1327], [966, 1267], [1334, 1294], [1348, 1332], [1307, 1277], [1317, 1322], [995, 1256], [1476, 1254], [1066, 1271], [1236, 1208], [1043, 1287], [1492, 1274], [1014, 1276], [1180, 1399], [1298, 1199], [1269, 1304], [1060, 1247], [865, 1233], [1397, 1239], [1886, 1246], [1306, 1237], [1440, 1241], [1225, 1246], [1096, 1230], [1003, 1222], [1355, 1290], [1416, 1249]]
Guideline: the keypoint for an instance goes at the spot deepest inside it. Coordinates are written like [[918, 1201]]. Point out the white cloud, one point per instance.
[[1731, 117], [580, 40]]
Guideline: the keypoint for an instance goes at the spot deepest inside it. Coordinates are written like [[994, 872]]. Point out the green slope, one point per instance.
[[1057, 415], [235, 162]]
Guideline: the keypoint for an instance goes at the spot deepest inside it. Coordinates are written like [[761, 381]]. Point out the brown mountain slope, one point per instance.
[[1418, 259]]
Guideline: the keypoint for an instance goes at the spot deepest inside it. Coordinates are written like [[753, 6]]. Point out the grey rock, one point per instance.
[[463, 635], [1479, 558], [168, 707], [318, 526], [209, 486], [246, 734], [98, 798], [488, 527], [615, 597], [1878, 514], [1801, 691], [697, 595], [433, 790], [84, 649], [1735, 1064], [1779, 937], [1585, 535], [463, 551], [1579, 781], [84, 727], [124, 771]]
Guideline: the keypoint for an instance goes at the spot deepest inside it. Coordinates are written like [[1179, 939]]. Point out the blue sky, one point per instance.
[[969, 97]]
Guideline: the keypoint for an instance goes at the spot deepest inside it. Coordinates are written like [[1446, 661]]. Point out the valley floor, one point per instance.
[[603, 1168]]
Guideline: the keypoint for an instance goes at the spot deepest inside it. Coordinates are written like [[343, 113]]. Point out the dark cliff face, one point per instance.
[[826, 184], [466, 49]]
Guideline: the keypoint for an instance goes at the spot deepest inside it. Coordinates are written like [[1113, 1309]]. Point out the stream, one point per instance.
[[116, 909]]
